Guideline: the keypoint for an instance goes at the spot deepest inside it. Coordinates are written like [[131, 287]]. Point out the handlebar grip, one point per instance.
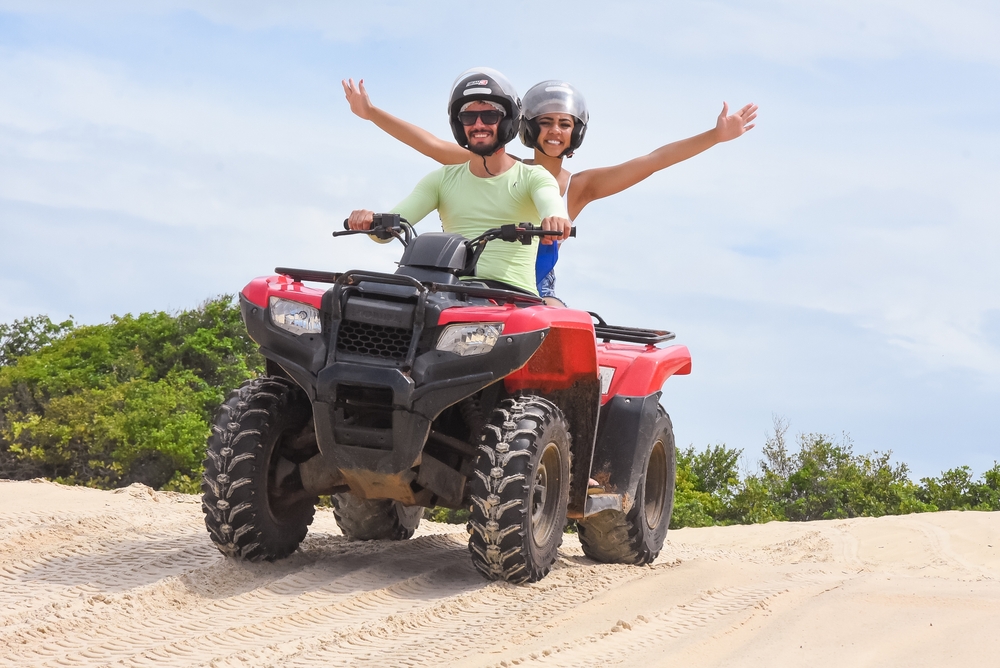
[[552, 233], [346, 226]]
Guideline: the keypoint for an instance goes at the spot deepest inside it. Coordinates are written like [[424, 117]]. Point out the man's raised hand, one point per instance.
[[730, 127], [357, 97]]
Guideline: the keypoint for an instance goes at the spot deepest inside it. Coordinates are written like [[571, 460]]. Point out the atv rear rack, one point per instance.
[[608, 333]]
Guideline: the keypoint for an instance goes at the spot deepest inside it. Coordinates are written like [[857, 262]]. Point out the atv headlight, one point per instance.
[[295, 317], [470, 339]]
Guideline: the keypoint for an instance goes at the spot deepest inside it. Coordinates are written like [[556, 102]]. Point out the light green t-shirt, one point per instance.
[[469, 205]]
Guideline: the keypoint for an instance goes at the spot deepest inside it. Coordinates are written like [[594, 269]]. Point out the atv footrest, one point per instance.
[[608, 333], [598, 502]]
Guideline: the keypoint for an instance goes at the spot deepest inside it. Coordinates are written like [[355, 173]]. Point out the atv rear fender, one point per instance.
[[637, 371]]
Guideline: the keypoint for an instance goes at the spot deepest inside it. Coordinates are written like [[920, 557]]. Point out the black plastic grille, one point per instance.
[[361, 338]]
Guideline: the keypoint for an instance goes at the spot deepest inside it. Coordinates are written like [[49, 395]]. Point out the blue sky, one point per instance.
[[835, 266]]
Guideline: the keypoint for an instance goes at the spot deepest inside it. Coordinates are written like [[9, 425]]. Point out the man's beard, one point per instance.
[[485, 150]]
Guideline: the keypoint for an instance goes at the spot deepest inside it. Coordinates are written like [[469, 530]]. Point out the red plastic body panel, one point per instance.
[[517, 320], [567, 354], [641, 370], [260, 289]]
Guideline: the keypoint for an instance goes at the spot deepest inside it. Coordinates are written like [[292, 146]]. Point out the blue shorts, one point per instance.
[[547, 286]]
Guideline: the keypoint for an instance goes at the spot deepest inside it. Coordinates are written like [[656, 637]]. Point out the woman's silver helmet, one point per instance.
[[553, 97]]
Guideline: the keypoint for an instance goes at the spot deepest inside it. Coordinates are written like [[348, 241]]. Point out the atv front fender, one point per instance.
[[563, 370]]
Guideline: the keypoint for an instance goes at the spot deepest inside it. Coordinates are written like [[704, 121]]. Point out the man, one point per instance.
[[484, 112]]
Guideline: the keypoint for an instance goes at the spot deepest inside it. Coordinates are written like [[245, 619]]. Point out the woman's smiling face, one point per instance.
[[554, 133]]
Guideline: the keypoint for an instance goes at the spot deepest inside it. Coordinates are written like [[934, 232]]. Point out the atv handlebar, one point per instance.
[[387, 226]]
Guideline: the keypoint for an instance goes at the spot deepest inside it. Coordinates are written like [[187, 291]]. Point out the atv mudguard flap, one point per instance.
[[634, 375], [623, 444]]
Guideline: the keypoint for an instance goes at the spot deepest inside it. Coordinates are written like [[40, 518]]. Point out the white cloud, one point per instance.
[[352, 23], [78, 132], [796, 33], [786, 31]]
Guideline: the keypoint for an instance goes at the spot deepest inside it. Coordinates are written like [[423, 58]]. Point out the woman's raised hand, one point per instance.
[[357, 97], [727, 127]]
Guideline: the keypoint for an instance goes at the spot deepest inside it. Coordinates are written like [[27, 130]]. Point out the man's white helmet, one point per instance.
[[484, 83]]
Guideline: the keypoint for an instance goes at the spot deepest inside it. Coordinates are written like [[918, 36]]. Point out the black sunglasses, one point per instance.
[[489, 116]]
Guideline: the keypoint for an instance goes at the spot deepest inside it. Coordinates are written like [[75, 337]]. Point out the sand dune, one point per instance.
[[130, 578]]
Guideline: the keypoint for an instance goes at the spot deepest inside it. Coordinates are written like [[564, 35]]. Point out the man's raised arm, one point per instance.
[[445, 152]]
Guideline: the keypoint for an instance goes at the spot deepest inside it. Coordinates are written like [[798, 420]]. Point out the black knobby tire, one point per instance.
[[520, 490], [636, 537], [254, 504], [375, 519]]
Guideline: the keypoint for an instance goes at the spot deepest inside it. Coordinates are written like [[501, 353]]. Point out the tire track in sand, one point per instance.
[[95, 631], [142, 584], [453, 627], [636, 641], [349, 607]]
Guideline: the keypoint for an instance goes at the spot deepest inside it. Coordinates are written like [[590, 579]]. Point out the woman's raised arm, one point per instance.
[[445, 152], [592, 184]]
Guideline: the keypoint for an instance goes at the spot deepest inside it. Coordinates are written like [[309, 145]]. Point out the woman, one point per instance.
[[553, 124]]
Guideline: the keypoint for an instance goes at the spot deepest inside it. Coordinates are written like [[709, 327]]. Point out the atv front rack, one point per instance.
[[352, 277], [608, 333], [308, 275], [496, 294]]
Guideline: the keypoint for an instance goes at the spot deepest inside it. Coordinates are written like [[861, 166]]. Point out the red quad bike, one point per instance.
[[395, 392]]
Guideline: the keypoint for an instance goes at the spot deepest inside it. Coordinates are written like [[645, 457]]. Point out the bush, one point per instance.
[[706, 482], [956, 490], [25, 336], [447, 515], [128, 401], [823, 479]]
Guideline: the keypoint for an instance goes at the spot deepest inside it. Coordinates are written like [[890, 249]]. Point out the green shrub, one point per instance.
[[447, 515], [25, 336], [706, 482], [956, 490], [127, 401]]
